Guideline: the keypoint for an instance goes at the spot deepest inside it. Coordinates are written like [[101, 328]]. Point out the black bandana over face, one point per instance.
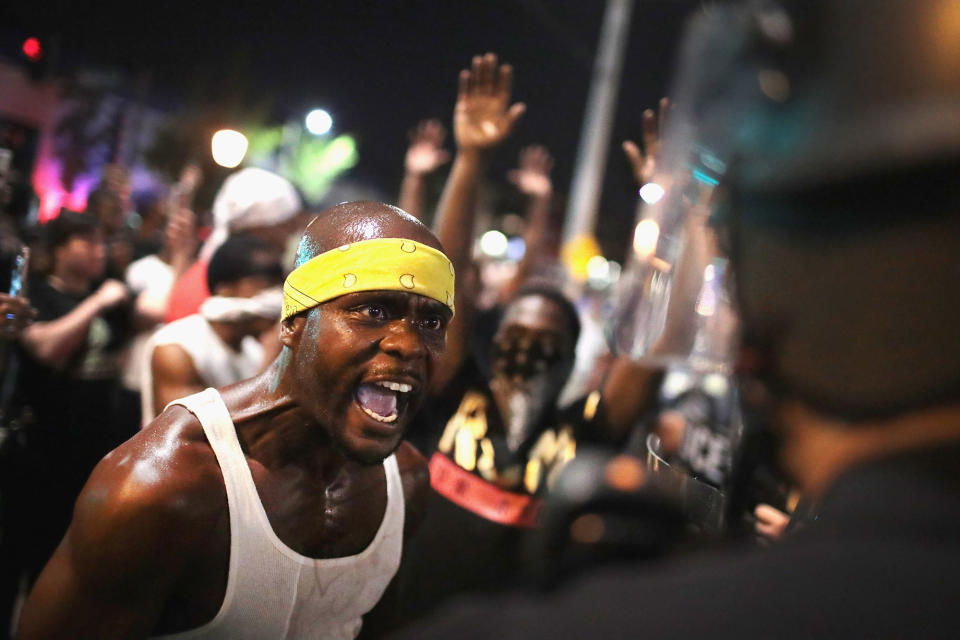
[[529, 371]]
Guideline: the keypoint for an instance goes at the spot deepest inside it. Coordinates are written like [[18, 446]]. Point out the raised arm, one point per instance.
[[174, 376], [179, 248], [532, 178], [424, 156], [482, 119], [644, 163], [630, 387]]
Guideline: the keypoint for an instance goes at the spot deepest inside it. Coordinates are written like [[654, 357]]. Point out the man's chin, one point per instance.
[[369, 451], [370, 459]]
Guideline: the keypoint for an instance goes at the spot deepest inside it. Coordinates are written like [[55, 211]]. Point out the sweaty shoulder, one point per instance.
[[416, 484], [163, 479]]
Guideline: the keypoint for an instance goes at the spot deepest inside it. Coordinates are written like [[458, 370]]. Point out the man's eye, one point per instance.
[[374, 311], [433, 323]]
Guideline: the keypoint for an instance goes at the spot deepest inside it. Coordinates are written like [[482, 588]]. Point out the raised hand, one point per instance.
[[111, 293], [426, 153], [644, 163], [484, 117], [190, 178], [532, 177], [180, 239], [771, 523]]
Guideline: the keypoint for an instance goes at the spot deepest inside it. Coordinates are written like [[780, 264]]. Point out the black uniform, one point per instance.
[[476, 526], [880, 562]]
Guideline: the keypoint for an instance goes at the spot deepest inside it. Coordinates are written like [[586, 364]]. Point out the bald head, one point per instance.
[[350, 222]]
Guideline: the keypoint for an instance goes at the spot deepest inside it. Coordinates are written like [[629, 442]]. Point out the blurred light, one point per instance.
[[700, 176], [577, 253], [587, 529], [651, 192], [512, 224], [493, 243], [341, 151], [516, 248], [776, 25], [319, 122], [615, 270], [712, 162], [675, 383], [774, 84], [32, 49], [707, 302], [228, 148], [625, 473], [598, 268], [47, 183], [715, 384], [645, 238]]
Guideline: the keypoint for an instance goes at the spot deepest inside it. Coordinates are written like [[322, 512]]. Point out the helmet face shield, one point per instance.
[[830, 128], [674, 306]]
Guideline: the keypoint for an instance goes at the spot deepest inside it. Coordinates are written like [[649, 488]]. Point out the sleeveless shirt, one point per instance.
[[215, 361], [273, 592]]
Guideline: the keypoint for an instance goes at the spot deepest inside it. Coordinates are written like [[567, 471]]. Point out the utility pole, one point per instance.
[[581, 215]]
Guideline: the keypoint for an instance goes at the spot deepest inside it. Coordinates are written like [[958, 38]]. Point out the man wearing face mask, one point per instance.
[[835, 127], [217, 346], [498, 438]]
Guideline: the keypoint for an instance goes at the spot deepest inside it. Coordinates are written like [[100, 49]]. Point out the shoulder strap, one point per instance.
[[212, 413], [396, 507]]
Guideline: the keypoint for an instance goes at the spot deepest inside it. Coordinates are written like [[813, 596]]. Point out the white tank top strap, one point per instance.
[[213, 415], [272, 591]]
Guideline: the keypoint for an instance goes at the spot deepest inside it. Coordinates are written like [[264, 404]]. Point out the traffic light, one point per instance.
[[32, 49], [34, 56]]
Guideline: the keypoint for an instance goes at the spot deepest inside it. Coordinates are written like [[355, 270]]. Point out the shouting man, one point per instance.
[[273, 508]]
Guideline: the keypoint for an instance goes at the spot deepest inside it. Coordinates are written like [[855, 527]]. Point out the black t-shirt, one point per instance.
[[457, 548], [69, 420], [80, 398]]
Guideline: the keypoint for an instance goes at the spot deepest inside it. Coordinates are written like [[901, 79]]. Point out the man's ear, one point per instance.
[[291, 329], [225, 289]]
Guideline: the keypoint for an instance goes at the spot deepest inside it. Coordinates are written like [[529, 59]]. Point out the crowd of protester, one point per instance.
[[549, 452]]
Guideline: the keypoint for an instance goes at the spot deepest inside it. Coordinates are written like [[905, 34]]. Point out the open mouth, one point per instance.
[[384, 400]]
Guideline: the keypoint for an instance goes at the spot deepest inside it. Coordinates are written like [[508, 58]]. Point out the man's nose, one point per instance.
[[403, 341]]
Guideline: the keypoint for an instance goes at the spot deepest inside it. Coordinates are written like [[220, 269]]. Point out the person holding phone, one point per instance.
[[69, 359], [15, 310], [15, 315]]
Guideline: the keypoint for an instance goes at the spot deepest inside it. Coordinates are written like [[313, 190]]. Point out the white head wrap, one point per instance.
[[250, 198], [266, 304]]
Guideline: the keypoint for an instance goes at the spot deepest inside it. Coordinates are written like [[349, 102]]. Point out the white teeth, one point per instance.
[[379, 418], [395, 386]]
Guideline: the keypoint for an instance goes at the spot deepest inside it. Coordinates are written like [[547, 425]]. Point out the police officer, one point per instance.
[[833, 125]]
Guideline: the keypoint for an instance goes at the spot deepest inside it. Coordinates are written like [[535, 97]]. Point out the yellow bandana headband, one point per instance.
[[382, 264]]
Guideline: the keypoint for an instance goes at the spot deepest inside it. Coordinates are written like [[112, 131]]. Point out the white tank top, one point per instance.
[[274, 593], [216, 362]]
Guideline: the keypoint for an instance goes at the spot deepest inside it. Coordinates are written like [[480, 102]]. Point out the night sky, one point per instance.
[[379, 67]]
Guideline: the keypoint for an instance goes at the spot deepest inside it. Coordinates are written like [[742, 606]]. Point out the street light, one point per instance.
[[319, 122], [651, 192], [228, 148], [494, 244]]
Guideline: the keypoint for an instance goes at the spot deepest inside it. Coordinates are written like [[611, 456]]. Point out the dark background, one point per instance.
[[378, 67]]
